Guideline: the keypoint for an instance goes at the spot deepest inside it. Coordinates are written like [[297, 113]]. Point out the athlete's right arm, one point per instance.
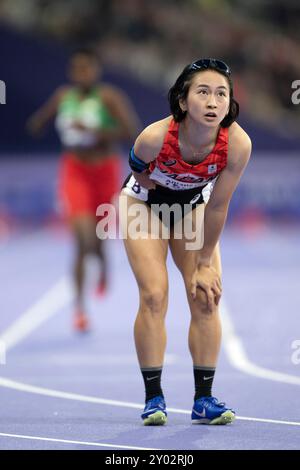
[[38, 121], [146, 148]]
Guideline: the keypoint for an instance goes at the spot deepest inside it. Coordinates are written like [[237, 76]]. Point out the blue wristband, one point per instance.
[[136, 164]]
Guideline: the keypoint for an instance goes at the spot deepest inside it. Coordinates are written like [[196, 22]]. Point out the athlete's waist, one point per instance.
[[185, 192], [165, 190], [90, 154], [179, 181]]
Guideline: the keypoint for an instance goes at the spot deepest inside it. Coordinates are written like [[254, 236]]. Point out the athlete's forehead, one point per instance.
[[83, 59], [211, 79]]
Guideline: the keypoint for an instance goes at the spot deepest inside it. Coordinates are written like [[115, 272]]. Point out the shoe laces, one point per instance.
[[155, 400], [214, 401]]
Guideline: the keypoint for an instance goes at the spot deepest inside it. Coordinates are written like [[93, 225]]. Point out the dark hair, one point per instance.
[[182, 85], [87, 51]]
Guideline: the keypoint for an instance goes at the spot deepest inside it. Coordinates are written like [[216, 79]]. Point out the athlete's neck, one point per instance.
[[197, 134], [85, 90]]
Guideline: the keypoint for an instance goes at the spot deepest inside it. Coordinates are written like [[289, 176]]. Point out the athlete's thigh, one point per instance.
[[147, 255], [185, 249], [186, 260]]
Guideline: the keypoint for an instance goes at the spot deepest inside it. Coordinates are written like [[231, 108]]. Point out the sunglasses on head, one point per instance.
[[211, 63]]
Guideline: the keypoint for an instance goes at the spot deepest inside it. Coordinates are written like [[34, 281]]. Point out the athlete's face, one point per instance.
[[83, 70], [208, 93]]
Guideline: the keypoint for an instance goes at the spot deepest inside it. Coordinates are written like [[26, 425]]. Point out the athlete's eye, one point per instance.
[[202, 92], [222, 93]]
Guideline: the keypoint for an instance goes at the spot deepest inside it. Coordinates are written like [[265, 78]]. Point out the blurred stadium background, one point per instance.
[[143, 46]]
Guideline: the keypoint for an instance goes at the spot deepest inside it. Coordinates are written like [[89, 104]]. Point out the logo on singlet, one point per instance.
[[212, 168], [170, 163]]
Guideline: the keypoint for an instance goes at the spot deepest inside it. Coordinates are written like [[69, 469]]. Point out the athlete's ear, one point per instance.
[[182, 104]]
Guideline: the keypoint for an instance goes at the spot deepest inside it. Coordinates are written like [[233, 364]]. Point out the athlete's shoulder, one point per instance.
[[57, 96], [63, 89], [237, 137], [150, 141], [110, 92], [239, 143], [114, 98]]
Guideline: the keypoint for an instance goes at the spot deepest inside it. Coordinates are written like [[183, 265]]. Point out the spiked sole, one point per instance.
[[225, 418], [156, 419]]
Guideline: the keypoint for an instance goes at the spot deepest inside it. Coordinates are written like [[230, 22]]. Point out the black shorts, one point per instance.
[[188, 199]]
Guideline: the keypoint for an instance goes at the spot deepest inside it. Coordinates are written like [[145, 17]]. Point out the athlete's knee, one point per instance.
[[200, 306], [154, 301], [87, 244]]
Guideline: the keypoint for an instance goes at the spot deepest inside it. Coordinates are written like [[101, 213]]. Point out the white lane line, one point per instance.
[[102, 401], [272, 421], [47, 306], [238, 358], [82, 443]]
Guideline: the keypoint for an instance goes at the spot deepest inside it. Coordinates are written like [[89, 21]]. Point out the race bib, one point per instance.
[[134, 189]]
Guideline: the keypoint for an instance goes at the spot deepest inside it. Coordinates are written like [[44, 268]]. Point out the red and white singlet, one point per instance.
[[170, 170]]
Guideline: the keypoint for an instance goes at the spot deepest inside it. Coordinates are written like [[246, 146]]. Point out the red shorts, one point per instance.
[[83, 186]]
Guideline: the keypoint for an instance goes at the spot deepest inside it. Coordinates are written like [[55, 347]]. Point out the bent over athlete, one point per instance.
[[195, 157]]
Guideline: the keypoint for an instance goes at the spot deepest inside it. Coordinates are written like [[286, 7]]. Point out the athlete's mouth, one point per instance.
[[211, 114]]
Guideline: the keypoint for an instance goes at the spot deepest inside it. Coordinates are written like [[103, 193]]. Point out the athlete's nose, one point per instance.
[[211, 103]]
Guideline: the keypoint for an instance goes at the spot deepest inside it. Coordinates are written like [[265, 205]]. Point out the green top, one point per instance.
[[89, 111]]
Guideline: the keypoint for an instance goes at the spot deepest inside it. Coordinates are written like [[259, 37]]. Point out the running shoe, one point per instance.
[[81, 322], [207, 410], [155, 413]]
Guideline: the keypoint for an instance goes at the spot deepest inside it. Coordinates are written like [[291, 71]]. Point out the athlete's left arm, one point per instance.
[[122, 110], [239, 150]]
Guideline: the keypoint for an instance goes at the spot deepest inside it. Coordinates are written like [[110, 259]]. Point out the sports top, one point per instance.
[[89, 111], [170, 170]]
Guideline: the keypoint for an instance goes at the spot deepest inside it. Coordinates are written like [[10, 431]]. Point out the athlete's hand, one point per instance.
[[144, 180], [207, 279]]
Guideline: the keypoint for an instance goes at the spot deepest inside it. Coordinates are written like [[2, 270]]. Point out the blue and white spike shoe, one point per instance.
[[207, 410], [155, 413]]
